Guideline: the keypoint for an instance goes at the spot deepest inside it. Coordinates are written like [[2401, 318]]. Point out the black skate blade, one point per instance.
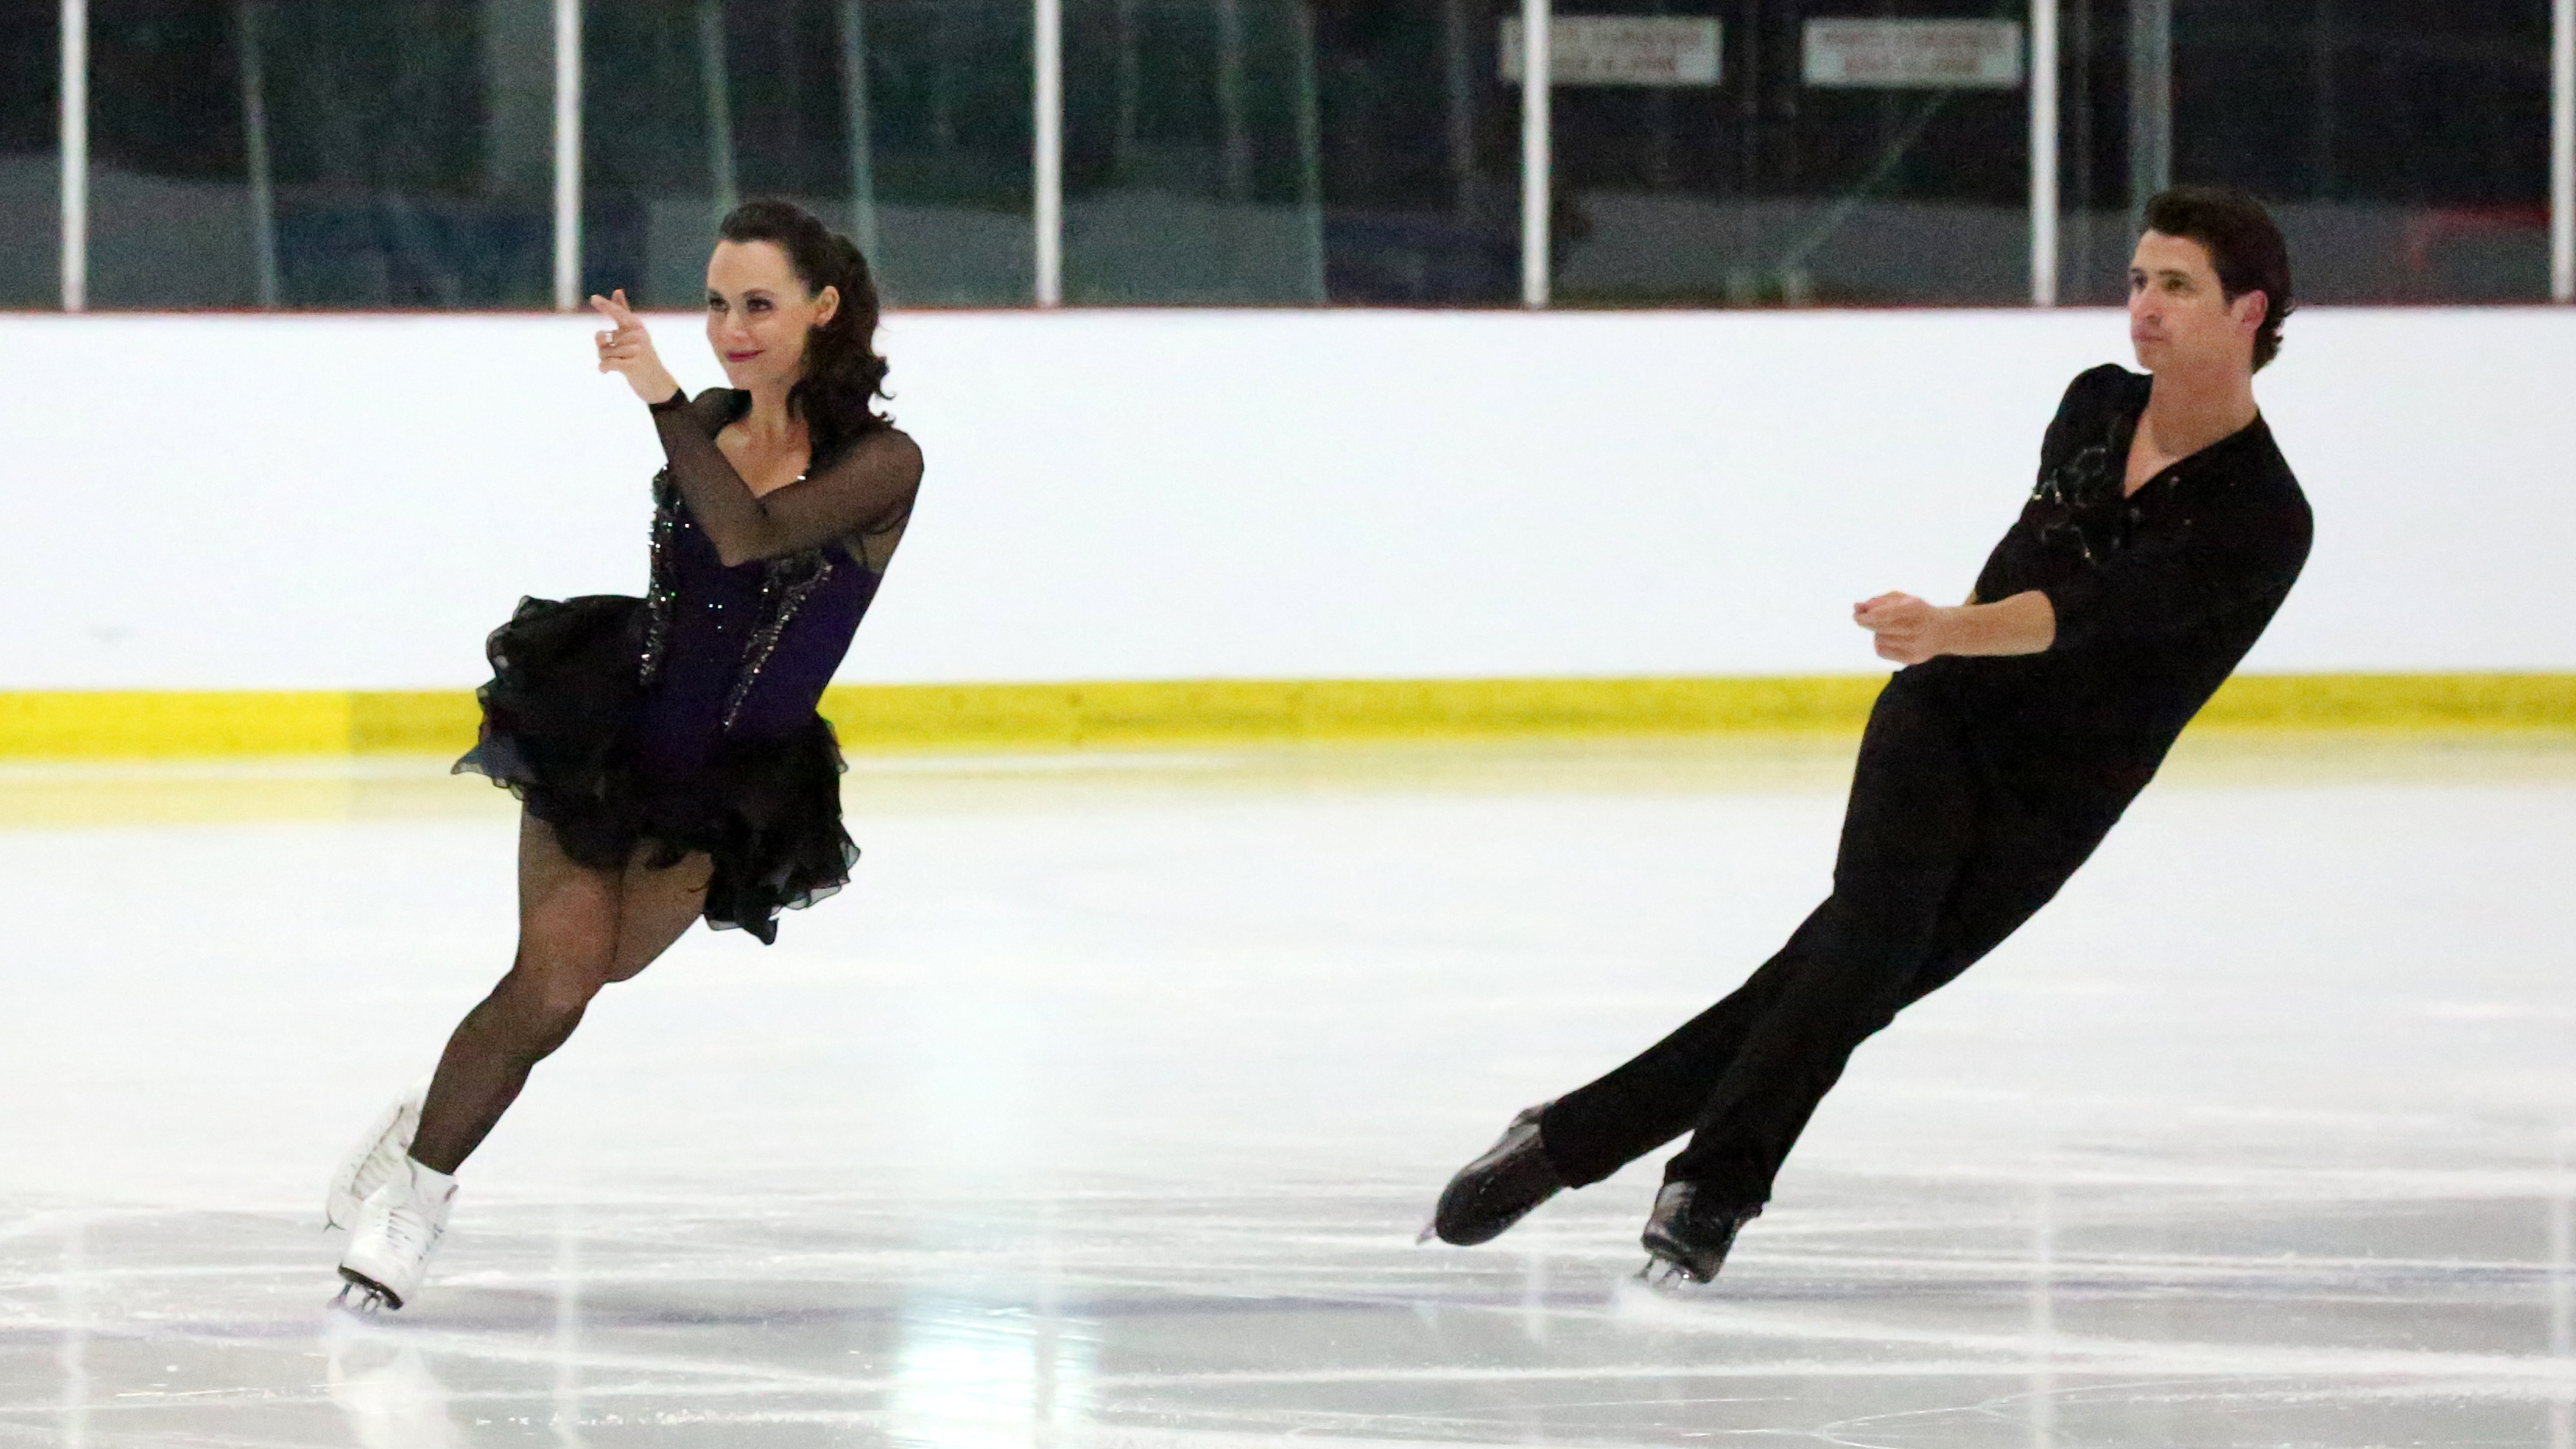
[[373, 1296]]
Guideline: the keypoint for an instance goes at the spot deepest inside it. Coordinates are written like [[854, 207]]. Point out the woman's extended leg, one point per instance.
[[579, 929]]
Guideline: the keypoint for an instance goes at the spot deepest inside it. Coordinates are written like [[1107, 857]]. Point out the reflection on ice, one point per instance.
[[2043, 1312], [1534, 1297], [567, 1334], [74, 1353], [973, 1375], [2562, 1293], [385, 1388]]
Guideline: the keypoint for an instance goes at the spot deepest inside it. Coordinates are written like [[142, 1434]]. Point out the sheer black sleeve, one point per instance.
[[869, 486]]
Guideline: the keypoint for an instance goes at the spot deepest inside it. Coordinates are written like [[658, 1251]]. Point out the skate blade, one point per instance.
[[1665, 1276], [362, 1298]]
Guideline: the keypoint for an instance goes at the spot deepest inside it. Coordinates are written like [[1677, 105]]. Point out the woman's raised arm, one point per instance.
[[870, 484]]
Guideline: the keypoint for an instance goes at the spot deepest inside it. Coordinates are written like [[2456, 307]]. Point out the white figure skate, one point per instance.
[[377, 1156], [398, 1227]]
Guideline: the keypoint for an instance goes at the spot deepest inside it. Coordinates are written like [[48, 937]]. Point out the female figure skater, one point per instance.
[[666, 749]]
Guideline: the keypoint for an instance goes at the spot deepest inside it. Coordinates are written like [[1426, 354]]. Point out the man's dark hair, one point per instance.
[[2243, 245]]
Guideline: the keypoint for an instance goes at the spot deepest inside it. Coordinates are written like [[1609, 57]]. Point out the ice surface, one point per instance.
[[1103, 1109]]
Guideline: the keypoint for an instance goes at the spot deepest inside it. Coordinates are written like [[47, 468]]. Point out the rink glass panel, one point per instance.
[[1421, 151], [1764, 187], [30, 174], [398, 153], [904, 123], [1193, 170], [2403, 146], [316, 153], [1272, 152]]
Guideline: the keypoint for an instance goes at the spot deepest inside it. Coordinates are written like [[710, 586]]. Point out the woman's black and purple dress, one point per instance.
[[686, 720]]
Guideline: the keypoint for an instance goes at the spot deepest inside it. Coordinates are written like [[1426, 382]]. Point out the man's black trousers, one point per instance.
[[1945, 851]]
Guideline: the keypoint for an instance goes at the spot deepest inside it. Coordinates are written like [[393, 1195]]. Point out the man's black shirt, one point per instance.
[[2157, 595]]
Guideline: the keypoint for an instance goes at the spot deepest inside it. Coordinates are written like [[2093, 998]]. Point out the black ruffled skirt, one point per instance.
[[560, 720]]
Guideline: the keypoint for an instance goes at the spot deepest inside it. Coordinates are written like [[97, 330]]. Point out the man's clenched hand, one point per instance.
[[1910, 631]]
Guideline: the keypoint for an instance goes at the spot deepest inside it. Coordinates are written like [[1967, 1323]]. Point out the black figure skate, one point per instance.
[[1498, 1189], [1687, 1237]]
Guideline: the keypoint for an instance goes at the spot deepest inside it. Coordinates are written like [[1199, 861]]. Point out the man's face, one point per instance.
[[2178, 314]]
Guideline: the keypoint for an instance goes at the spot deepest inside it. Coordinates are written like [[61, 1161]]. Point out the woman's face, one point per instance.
[[759, 313]]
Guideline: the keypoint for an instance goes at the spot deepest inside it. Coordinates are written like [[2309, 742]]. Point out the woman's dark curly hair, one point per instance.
[[843, 373]]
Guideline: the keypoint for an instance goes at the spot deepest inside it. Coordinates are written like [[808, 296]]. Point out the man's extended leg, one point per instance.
[[2030, 835], [1913, 817]]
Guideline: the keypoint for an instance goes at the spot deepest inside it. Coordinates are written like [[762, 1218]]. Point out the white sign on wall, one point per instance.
[[1623, 50], [1916, 54]]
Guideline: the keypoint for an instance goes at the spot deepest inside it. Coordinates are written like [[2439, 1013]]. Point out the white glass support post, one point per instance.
[[1047, 109], [74, 140], [567, 155], [2043, 153], [1538, 63], [2562, 153]]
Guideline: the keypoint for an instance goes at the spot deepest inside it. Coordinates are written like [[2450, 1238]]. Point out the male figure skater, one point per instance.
[[2164, 532]]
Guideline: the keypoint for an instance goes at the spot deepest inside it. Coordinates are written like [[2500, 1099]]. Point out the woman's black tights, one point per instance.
[[579, 929]]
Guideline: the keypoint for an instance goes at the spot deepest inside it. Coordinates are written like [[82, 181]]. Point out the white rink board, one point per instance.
[[352, 502]]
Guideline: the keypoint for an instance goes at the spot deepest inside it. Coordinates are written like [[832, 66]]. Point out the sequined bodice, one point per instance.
[[744, 650]]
